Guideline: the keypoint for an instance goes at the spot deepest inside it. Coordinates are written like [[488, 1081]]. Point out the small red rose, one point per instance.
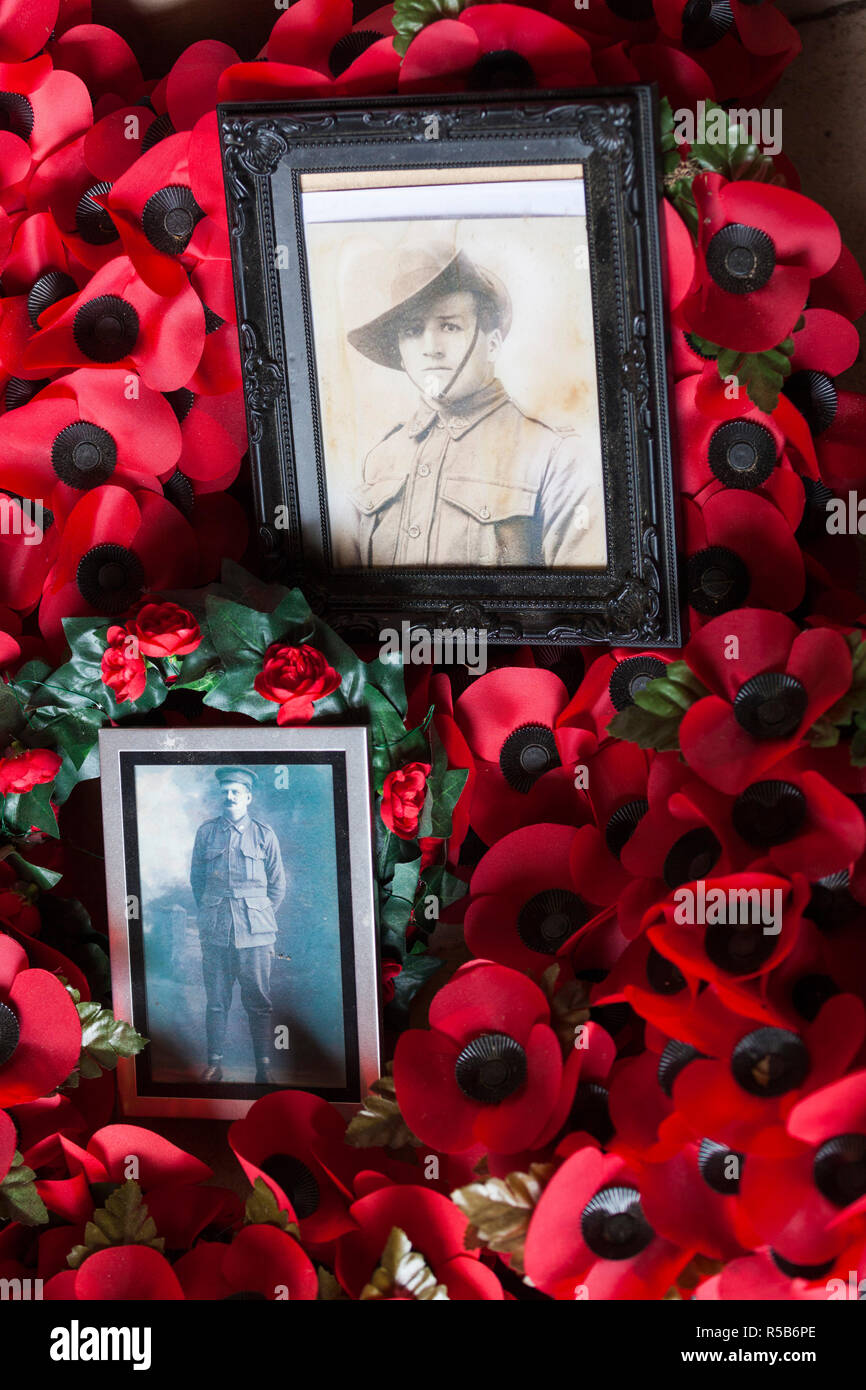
[[293, 677], [123, 669], [23, 771], [403, 798], [164, 629]]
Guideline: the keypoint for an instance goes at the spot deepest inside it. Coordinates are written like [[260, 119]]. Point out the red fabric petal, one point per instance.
[[191, 88], [24, 29], [127, 1273]]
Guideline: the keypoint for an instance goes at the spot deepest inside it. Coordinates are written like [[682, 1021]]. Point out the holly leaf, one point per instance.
[[499, 1210], [411, 16], [263, 1209], [19, 1199], [123, 1220], [379, 1124], [104, 1039]]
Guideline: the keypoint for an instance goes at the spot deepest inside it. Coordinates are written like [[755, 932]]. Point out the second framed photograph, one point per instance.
[[453, 352], [241, 915]]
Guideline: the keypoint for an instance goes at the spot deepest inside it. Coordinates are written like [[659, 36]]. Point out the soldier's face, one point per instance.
[[434, 342], [236, 798]]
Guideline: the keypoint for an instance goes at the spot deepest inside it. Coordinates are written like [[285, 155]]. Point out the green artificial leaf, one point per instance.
[[857, 749], [330, 1288], [637, 725], [762, 373], [853, 701], [242, 635], [263, 1209], [352, 691], [33, 873], [823, 733], [417, 969], [104, 1039], [123, 1220], [653, 720], [444, 886], [727, 148], [19, 1199], [443, 793], [386, 674], [396, 902], [234, 691], [411, 16], [387, 735], [22, 810], [87, 638], [12, 717]]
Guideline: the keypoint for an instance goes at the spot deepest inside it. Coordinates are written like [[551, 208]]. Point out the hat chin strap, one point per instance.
[[462, 363]]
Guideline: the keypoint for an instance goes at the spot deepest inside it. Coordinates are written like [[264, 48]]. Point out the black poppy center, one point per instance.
[[674, 1059], [742, 453], [738, 948], [613, 1224], [527, 754], [795, 1271], [839, 1169], [48, 289], [814, 394], [19, 391], [717, 580], [109, 577], [350, 47], [662, 975], [158, 130], [10, 1032], [548, 919], [769, 1062], [501, 70], [693, 856], [296, 1180], [93, 221], [106, 328], [622, 824], [831, 905], [769, 813], [705, 22], [638, 11], [16, 115], [811, 993], [721, 1168], [771, 705], [83, 455], [169, 218], [491, 1068], [590, 1112], [631, 676], [740, 258]]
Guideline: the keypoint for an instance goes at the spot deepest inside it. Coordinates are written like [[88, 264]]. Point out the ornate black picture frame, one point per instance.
[[612, 133]]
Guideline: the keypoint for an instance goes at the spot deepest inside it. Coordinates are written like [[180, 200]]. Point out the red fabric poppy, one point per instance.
[[681, 77], [122, 671], [435, 1228], [768, 683], [164, 629], [608, 685], [759, 1278], [117, 320], [83, 430], [696, 1197], [589, 1237], [39, 1029], [8, 1144], [524, 772], [736, 444], [214, 440], [55, 109], [489, 1070], [759, 248], [490, 46], [124, 1273], [21, 772], [262, 1262], [295, 677], [24, 29], [403, 796], [191, 84], [741, 550], [115, 545], [842, 288], [100, 58]]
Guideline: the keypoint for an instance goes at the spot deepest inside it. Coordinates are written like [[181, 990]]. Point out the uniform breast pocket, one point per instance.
[[500, 516], [254, 863]]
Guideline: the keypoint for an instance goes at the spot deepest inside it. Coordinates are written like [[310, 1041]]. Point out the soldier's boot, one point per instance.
[[264, 1071], [261, 1032], [213, 1071]]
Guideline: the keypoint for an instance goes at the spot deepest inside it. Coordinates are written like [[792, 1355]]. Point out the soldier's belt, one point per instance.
[[243, 890]]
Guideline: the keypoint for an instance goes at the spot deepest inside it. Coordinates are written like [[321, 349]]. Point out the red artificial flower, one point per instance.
[[490, 1069], [294, 677], [164, 629], [123, 1273], [389, 971], [742, 550], [759, 248], [262, 1262], [123, 670], [101, 58], [769, 682], [589, 1237], [435, 1229], [696, 1196], [40, 1032], [609, 685], [21, 771], [403, 796], [43, 109], [25, 29], [492, 46], [8, 1144]]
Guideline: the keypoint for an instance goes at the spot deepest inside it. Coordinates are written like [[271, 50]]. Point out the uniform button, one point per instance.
[[439, 425], [423, 470], [485, 513], [414, 532]]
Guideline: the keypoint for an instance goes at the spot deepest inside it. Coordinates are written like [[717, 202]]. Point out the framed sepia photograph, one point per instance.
[[241, 915], [451, 328]]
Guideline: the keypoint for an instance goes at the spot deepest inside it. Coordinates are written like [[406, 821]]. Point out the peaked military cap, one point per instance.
[[237, 774], [422, 274]]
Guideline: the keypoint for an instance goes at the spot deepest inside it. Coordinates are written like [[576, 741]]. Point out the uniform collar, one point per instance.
[[239, 825], [458, 416]]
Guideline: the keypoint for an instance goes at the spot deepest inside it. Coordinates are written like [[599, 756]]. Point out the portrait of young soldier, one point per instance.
[[238, 882], [469, 478]]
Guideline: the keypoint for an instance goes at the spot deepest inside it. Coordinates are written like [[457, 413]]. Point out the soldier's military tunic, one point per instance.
[[238, 882], [476, 482]]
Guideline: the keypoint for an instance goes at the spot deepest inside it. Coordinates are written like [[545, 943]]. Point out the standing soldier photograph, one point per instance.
[[238, 882]]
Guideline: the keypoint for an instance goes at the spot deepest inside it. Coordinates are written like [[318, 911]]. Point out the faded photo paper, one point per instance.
[[455, 361], [240, 923]]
